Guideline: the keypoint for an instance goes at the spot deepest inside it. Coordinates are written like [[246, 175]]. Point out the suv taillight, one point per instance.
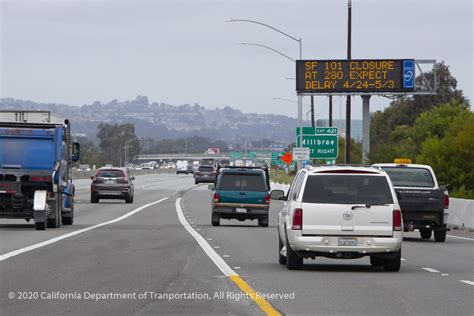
[[446, 200], [297, 219], [267, 199], [397, 220], [215, 198]]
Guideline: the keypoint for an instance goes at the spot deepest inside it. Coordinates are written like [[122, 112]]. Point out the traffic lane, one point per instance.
[[16, 234], [147, 252], [327, 286], [454, 257]]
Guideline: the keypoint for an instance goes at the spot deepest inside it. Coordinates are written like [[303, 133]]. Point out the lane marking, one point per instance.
[[431, 270], [467, 282], [444, 274], [264, 305], [76, 232], [403, 259], [459, 237]]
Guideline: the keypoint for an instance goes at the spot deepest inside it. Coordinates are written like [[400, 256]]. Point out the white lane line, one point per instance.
[[444, 274], [403, 259], [467, 282], [431, 270], [459, 237], [218, 261], [225, 256], [76, 232]]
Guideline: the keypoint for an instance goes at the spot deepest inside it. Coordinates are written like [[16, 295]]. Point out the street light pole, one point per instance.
[[348, 100], [300, 42]]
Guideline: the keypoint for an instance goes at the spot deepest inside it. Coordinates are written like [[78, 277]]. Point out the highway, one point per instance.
[[161, 256]]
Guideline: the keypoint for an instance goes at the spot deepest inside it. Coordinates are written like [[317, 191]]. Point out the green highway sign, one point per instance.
[[322, 142], [252, 155], [236, 155]]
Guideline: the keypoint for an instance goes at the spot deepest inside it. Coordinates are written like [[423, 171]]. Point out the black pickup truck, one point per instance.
[[423, 202]]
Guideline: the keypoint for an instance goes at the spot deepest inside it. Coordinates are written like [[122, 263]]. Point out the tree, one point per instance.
[[452, 156], [405, 110], [112, 141]]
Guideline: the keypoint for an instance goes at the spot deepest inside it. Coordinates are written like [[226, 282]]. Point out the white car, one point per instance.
[[340, 212]]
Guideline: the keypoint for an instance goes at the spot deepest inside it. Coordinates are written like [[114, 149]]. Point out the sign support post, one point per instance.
[[365, 128]]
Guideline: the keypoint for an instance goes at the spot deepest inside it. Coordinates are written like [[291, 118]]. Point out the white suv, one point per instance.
[[340, 212]]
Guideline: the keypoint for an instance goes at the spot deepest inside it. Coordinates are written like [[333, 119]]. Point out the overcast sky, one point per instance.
[[178, 52]]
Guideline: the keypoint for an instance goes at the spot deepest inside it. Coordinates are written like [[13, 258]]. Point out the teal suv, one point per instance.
[[241, 193]]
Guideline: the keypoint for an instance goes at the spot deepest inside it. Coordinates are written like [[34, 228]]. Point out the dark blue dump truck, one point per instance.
[[35, 173]]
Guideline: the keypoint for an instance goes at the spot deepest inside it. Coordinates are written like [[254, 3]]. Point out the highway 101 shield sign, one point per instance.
[[321, 141]]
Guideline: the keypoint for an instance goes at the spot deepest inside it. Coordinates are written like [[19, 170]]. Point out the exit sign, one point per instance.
[[322, 142]]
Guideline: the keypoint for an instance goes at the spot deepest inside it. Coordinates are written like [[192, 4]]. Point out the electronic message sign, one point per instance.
[[355, 76]]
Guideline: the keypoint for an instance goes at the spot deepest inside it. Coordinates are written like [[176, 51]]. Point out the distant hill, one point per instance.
[[162, 121]]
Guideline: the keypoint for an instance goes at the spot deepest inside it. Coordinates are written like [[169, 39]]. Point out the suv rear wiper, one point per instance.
[[368, 205]]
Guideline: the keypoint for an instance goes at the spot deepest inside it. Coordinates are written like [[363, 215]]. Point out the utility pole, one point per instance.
[[330, 111], [312, 111], [348, 100]]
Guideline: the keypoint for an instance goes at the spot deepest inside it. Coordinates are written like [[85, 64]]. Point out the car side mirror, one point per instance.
[[211, 187], [277, 195], [132, 178], [399, 196]]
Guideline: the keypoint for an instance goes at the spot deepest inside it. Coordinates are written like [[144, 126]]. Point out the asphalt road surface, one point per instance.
[[161, 256]]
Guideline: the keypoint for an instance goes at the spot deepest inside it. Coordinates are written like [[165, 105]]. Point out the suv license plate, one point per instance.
[[347, 242], [241, 210]]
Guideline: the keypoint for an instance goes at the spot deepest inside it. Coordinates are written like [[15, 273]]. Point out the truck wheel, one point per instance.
[[394, 263], [293, 262], [216, 219], [68, 220], [281, 258], [56, 221], [376, 262], [425, 233], [440, 235], [263, 222], [40, 226]]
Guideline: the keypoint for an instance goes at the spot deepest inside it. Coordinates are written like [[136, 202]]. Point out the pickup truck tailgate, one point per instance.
[[421, 199], [242, 197]]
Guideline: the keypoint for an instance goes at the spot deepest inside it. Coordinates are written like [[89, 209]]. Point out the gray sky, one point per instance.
[[178, 52]]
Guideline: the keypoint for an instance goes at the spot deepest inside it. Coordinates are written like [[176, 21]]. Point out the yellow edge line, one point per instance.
[[264, 305]]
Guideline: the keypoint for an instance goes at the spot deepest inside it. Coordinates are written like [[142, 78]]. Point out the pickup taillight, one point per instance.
[[297, 219], [267, 199], [446, 200], [397, 220], [215, 198]]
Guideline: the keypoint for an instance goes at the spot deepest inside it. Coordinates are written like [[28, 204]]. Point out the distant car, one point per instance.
[[182, 166], [241, 193], [146, 165], [205, 174], [190, 168], [112, 183], [340, 212], [224, 162]]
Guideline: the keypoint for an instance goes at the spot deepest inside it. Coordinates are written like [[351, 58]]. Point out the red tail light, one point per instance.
[[397, 220], [446, 201], [198, 173], [267, 199], [41, 178], [122, 181], [215, 198], [297, 219]]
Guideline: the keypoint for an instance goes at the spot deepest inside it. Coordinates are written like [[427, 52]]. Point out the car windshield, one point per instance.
[[242, 182], [410, 177], [347, 189], [110, 174]]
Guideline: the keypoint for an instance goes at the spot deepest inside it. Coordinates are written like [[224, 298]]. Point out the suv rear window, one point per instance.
[[110, 174], [242, 182], [206, 168], [347, 189], [410, 177]]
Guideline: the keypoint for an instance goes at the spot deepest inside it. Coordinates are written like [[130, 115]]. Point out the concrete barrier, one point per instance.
[[461, 212], [88, 174]]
